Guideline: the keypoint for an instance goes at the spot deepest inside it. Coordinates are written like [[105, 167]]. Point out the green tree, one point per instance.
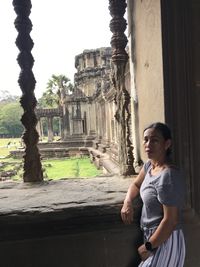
[[57, 88], [6, 97], [10, 115]]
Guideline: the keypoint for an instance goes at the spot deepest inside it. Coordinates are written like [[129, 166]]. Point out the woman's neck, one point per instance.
[[159, 164]]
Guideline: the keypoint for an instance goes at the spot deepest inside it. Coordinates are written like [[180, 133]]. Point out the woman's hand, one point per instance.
[[132, 193], [127, 212], [143, 252]]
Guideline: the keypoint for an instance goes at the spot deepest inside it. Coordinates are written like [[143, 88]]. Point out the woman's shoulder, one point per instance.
[[172, 169], [147, 165], [172, 166], [172, 174]]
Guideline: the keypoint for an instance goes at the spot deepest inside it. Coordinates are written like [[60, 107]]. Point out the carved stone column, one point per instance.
[[42, 128], [61, 128], [119, 58], [38, 128], [32, 163], [66, 122], [50, 129]]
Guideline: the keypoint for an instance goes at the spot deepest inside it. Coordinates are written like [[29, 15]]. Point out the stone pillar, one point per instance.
[[38, 127], [50, 129], [92, 111], [108, 122], [100, 123], [112, 122], [97, 118], [85, 130], [105, 118], [41, 127], [66, 122], [71, 124], [119, 59], [32, 163], [88, 116], [61, 128]]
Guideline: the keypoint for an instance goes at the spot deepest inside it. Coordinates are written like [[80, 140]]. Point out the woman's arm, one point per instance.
[[164, 230], [132, 193], [166, 226]]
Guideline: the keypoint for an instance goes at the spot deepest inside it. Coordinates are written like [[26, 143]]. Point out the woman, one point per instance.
[[161, 188]]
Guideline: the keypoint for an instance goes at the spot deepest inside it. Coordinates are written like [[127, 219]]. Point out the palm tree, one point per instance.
[[57, 88]]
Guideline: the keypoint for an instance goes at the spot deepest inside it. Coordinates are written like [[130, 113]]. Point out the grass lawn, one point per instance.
[[8, 144], [69, 168], [52, 168]]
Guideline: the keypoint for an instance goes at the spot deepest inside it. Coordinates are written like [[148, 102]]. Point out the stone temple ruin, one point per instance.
[[86, 116], [77, 223]]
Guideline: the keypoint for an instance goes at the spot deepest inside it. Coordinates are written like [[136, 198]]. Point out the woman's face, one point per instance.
[[155, 145]]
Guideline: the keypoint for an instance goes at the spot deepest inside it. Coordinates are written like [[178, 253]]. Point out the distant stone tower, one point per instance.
[[93, 70], [92, 79]]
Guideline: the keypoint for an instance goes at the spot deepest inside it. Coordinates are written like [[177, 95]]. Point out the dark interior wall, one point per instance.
[[180, 36], [114, 247], [76, 235], [194, 36]]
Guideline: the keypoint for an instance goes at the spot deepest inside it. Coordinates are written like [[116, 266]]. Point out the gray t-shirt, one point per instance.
[[166, 188]]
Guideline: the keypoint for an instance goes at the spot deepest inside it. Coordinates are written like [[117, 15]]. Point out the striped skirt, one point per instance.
[[170, 254]]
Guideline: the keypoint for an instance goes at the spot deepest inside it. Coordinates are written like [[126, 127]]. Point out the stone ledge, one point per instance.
[[103, 160], [61, 207]]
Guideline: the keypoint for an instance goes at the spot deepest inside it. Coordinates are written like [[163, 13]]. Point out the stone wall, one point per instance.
[[93, 79], [146, 67], [164, 66], [72, 223]]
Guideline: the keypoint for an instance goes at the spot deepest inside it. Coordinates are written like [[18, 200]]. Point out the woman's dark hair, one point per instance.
[[164, 130]]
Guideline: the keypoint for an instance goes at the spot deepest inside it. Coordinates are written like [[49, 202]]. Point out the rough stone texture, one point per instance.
[[49, 196], [120, 59], [32, 163], [20, 198], [73, 222], [73, 200]]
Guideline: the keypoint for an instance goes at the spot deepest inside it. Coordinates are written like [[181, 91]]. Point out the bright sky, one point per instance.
[[61, 30]]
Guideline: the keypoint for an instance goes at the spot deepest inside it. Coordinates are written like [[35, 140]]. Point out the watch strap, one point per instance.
[[148, 246]]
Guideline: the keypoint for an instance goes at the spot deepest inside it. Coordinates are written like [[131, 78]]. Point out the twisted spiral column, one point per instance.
[[119, 58], [32, 163]]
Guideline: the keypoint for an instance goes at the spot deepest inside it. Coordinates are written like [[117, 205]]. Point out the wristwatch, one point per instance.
[[148, 246]]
